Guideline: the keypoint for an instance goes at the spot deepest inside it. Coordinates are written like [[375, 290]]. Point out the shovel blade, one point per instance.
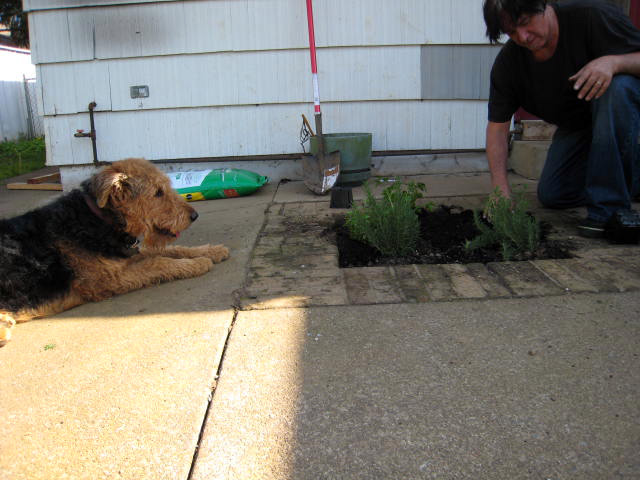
[[320, 172]]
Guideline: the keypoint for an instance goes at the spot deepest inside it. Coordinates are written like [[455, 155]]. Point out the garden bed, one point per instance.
[[444, 231]]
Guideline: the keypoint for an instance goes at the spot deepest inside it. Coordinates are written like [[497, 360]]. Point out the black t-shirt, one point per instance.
[[588, 29]]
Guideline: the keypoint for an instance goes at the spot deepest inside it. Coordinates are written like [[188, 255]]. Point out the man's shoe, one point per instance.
[[624, 227], [590, 228]]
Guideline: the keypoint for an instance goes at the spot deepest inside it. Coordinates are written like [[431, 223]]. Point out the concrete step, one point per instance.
[[527, 157]]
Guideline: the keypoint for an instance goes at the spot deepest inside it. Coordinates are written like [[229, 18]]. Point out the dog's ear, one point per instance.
[[109, 183]]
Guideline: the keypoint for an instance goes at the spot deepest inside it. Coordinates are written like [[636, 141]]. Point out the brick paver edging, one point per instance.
[[294, 265]]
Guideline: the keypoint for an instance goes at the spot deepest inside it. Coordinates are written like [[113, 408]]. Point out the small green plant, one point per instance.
[[511, 227], [389, 224], [20, 157], [50, 346]]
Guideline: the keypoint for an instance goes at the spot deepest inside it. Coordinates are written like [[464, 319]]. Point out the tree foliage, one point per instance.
[[14, 19]]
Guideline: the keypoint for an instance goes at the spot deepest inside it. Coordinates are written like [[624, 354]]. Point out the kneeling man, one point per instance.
[[575, 64]]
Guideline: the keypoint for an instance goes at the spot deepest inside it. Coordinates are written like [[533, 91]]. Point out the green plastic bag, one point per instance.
[[219, 183]]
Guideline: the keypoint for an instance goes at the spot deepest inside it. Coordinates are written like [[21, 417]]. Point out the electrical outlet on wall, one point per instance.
[[139, 91]]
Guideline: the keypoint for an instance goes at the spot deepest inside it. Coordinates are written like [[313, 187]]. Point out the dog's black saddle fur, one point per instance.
[[32, 269]]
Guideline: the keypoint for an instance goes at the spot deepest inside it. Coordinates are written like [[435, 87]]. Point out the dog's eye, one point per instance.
[[159, 193]]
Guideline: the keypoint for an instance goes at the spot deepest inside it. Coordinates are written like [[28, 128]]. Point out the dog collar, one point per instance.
[[91, 203], [97, 211]]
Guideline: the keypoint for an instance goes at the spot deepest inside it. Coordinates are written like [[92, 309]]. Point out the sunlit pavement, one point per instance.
[[279, 365]]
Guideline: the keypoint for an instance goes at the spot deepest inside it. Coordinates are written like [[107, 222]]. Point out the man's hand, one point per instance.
[[498, 154], [594, 78]]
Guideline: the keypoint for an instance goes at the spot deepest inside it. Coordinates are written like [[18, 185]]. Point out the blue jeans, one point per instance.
[[598, 166]]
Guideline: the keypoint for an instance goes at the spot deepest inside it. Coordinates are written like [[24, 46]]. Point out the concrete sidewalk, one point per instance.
[[279, 365]]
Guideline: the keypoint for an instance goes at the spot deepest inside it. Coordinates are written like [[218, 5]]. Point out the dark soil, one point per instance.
[[444, 232]]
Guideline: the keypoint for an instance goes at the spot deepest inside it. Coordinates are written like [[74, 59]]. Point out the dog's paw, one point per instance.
[[6, 325], [199, 265], [5, 335], [217, 253]]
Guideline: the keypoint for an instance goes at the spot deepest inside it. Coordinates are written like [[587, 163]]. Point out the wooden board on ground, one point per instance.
[[35, 186], [50, 181], [51, 178]]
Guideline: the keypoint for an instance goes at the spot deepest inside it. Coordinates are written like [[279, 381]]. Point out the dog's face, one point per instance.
[[143, 196]]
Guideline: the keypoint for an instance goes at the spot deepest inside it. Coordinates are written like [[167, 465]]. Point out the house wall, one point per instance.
[[232, 77]]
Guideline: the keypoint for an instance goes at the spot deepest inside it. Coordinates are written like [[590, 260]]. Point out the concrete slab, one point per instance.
[[527, 157], [371, 285], [528, 388], [437, 185], [14, 202], [429, 164], [114, 391], [119, 389], [435, 385], [537, 130]]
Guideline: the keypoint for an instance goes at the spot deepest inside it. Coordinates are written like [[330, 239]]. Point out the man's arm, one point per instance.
[[498, 154], [595, 77]]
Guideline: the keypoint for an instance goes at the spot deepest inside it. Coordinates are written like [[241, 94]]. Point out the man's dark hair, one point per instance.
[[499, 12]]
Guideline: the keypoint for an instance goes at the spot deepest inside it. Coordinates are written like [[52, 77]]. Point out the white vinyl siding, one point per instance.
[[251, 130], [232, 77], [206, 26]]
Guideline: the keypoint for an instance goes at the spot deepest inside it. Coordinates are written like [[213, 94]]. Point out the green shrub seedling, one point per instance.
[[390, 224], [509, 225]]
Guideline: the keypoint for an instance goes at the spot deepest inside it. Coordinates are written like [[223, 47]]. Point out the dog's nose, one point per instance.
[[194, 216]]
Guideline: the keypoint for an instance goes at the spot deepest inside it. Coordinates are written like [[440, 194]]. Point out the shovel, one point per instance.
[[319, 172]]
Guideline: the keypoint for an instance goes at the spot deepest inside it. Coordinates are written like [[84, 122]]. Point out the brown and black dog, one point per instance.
[[108, 237]]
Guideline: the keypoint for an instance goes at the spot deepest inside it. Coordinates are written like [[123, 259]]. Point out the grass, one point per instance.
[[22, 156]]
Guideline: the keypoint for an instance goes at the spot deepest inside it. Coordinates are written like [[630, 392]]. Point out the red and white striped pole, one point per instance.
[[314, 63]]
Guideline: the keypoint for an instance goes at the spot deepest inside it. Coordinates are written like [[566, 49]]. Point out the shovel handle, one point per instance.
[[312, 37], [308, 125], [314, 63], [318, 118]]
